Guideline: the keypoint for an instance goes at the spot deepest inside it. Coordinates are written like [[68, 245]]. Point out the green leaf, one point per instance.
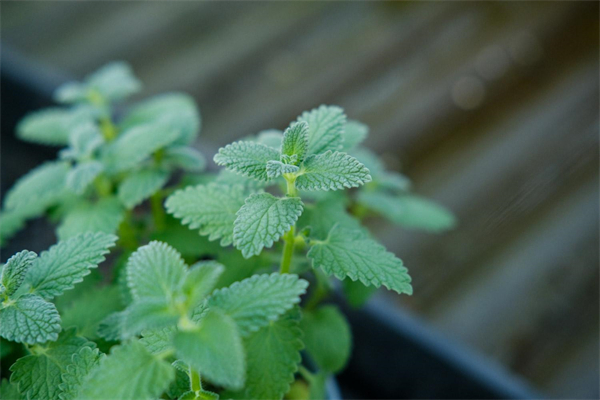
[[80, 177], [83, 362], [89, 310], [67, 262], [15, 270], [158, 340], [409, 211], [201, 279], [258, 300], [176, 111], [130, 372], [352, 253], [111, 327], [155, 270], [215, 350], [247, 158], [136, 144], [50, 126], [321, 216], [114, 81], [140, 185], [38, 376], [354, 134], [184, 157], [12, 222], [270, 137], [262, 220], [210, 208], [277, 168], [331, 171], [185, 241], [327, 337], [9, 391], [147, 313], [325, 127], [273, 354], [102, 216], [295, 140], [39, 189], [29, 319], [84, 140], [357, 294]]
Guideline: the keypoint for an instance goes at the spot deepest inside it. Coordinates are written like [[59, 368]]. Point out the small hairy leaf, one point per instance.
[[354, 134], [80, 177], [147, 313], [262, 220], [155, 270], [67, 262], [273, 356], [184, 157], [409, 211], [39, 376], [50, 126], [39, 188], [325, 127], [176, 111], [201, 279], [215, 350], [115, 81], [111, 327], [77, 371], [327, 337], [102, 216], [295, 140], [277, 168], [210, 208], [90, 309], [130, 372], [331, 171], [352, 253], [158, 340], [258, 300], [247, 158], [137, 144], [29, 319], [140, 185], [270, 137], [84, 140], [15, 270]]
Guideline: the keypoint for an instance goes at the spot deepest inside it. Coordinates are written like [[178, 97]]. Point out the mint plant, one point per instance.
[[225, 295]]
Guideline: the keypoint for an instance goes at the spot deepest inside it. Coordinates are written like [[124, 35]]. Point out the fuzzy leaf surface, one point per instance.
[[137, 144], [50, 126], [210, 208], [67, 262], [273, 354], [325, 127], [103, 216], [247, 158], [352, 253], [39, 376], [215, 350], [200, 280], [354, 134], [184, 157], [30, 319], [277, 168], [327, 337], [332, 171], [140, 185], [15, 271], [80, 177], [77, 371], [130, 372], [258, 300], [262, 220], [147, 313], [155, 270], [295, 140]]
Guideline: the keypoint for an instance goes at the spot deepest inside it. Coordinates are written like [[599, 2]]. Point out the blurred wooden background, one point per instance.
[[491, 108]]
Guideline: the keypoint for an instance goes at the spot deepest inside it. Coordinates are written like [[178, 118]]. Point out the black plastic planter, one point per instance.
[[395, 355]]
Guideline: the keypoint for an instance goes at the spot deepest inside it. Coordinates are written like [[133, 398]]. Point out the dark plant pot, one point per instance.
[[394, 355]]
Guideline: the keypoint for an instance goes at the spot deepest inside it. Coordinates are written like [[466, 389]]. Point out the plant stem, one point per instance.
[[195, 381], [290, 237], [288, 251], [158, 213]]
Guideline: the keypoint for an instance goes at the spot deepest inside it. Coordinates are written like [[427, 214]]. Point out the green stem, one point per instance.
[[195, 381], [158, 213], [288, 251], [109, 130]]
